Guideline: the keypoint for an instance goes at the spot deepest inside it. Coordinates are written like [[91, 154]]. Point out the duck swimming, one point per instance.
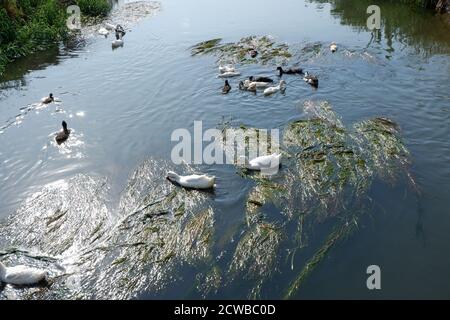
[[193, 181], [120, 32], [103, 32], [260, 79], [271, 90], [226, 87], [253, 53], [229, 74], [21, 275], [256, 84], [110, 26], [245, 86], [63, 135], [117, 43], [289, 71], [311, 79], [264, 162], [333, 47], [48, 99], [223, 69]]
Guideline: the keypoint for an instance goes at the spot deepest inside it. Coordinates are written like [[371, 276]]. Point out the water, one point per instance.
[[124, 104]]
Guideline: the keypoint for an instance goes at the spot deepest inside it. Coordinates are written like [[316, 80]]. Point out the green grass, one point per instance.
[[28, 26], [94, 8]]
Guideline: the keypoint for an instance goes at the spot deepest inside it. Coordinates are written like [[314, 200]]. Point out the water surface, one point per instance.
[[124, 104]]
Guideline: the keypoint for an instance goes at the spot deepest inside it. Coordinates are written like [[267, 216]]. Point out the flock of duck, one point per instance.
[[119, 32], [252, 84], [24, 275]]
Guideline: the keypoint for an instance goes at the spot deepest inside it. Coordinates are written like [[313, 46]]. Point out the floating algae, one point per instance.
[[327, 168], [268, 50], [108, 256], [378, 139], [210, 282], [127, 15], [255, 255], [240, 142], [264, 192], [334, 237], [60, 218], [153, 240]]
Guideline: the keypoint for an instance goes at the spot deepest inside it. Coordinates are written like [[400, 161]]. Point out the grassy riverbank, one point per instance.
[[28, 26]]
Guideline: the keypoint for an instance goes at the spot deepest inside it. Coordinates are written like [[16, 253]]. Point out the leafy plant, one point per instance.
[[94, 8]]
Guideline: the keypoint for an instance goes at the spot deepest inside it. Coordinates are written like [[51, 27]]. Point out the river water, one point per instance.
[[123, 105]]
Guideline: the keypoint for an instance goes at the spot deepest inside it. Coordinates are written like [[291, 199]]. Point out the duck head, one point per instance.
[[226, 83], [282, 84], [280, 70], [64, 125], [333, 47], [250, 78], [172, 176]]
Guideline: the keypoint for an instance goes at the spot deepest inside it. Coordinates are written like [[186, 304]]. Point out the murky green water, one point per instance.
[[365, 177]]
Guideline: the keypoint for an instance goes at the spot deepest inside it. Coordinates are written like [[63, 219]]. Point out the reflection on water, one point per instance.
[[14, 73], [401, 25], [103, 233]]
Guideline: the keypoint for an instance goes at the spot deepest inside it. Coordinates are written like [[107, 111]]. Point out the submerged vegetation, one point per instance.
[[239, 52], [159, 229], [93, 252], [327, 168]]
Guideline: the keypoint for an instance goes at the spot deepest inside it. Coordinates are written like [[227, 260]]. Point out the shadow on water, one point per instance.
[[14, 75]]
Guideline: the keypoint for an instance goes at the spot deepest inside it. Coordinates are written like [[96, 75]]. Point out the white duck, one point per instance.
[[21, 275], [272, 90], [264, 162], [333, 47], [103, 31], [117, 43], [224, 69], [256, 84], [110, 26], [229, 74], [193, 181]]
